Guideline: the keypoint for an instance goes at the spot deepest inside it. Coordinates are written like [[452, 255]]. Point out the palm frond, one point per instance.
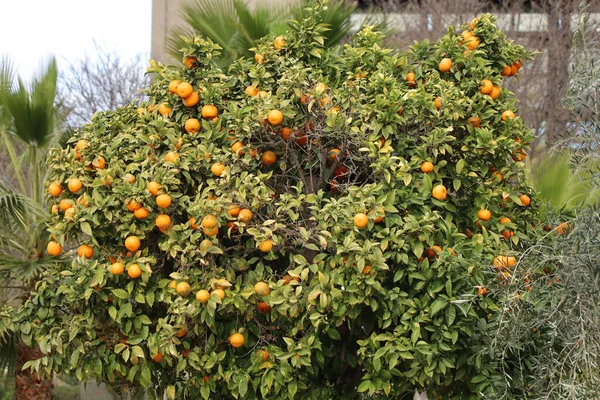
[[32, 109], [18, 211], [254, 24], [6, 83]]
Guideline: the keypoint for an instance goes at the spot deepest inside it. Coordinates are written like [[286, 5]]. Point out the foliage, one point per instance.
[[343, 225]]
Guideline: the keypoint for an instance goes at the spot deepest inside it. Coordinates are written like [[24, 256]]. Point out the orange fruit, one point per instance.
[[264, 307], [381, 217], [171, 157], [262, 289], [85, 251], [129, 178], [445, 65], [183, 288], [504, 261], [507, 234], [268, 157], [279, 42], [498, 176], [427, 167], [275, 117], [361, 220], [81, 144], [263, 355], [55, 209], [482, 291], [65, 204], [70, 214], [332, 154], [132, 243], [251, 91], [141, 213], [486, 86], [211, 231], [506, 115], [192, 125], [473, 23], [245, 215], [184, 90], [153, 188], [505, 220], [411, 79], [438, 102], [475, 121], [237, 147], [439, 192], [525, 200], [164, 109], [506, 71], [320, 88], [236, 340], [472, 42], [55, 189], [173, 284], [217, 169], [286, 133], [133, 205], [53, 248], [495, 93], [190, 62], [75, 185], [466, 35], [259, 58], [134, 271], [173, 86], [434, 251], [163, 200], [234, 210], [163, 222], [564, 228], [202, 296], [484, 215], [191, 100], [99, 163], [117, 268], [209, 221], [265, 246], [209, 111], [218, 292], [158, 357]]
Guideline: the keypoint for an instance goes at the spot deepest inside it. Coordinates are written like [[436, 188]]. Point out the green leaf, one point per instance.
[[85, 228], [292, 389], [120, 293], [438, 305], [364, 386], [243, 386], [460, 165]]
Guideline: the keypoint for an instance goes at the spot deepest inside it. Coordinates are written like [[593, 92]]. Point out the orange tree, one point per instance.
[[310, 222]]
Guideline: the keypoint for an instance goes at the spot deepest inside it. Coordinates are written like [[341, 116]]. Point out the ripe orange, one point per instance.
[[171, 157], [564, 228], [445, 65], [264, 307], [190, 62], [134, 271], [332, 154], [268, 157], [525, 200], [153, 188], [259, 58], [466, 35], [411, 79], [275, 117], [286, 133], [158, 357], [279, 42], [132, 243], [381, 217], [85, 251], [202, 296], [218, 292], [55, 189], [81, 144], [427, 167], [486, 86], [133, 205], [173, 284], [498, 176], [361, 220], [141, 213], [194, 226], [192, 125], [65, 204], [320, 88], [75, 185], [117, 268], [191, 100], [265, 246], [263, 355], [209, 111], [507, 234], [164, 109], [237, 340], [473, 23], [501, 262], [173, 86], [495, 93], [163, 222], [251, 91], [234, 210], [484, 215], [237, 148], [482, 291], [184, 90], [262, 289], [506, 115], [99, 163], [129, 178], [183, 288], [472, 43], [505, 220], [434, 252], [54, 248], [55, 209], [439, 192], [438, 102], [209, 221], [475, 121], [217, 169], [163, 200], [506, 71], [211, 231], [245, 215]]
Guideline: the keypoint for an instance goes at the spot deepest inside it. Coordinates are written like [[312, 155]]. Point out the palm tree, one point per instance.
[[27, 127], [235, 27]]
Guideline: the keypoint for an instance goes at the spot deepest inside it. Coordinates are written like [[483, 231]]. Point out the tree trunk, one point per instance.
[[28, 386]]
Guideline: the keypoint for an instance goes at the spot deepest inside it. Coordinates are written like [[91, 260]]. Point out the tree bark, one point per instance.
[[28, 385]]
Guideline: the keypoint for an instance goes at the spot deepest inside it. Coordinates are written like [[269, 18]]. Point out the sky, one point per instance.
[[33, 30]]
